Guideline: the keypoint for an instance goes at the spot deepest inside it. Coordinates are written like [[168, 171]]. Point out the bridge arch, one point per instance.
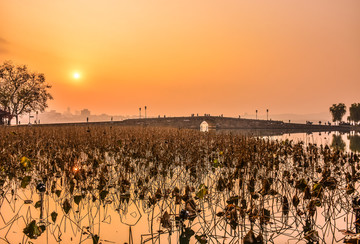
[[204, 126]]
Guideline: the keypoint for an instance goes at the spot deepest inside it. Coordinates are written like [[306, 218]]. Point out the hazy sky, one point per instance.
[[181, 57]]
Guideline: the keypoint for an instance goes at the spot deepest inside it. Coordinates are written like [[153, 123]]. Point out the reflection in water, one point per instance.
[[338, 143], [115, 185], [354, 143]]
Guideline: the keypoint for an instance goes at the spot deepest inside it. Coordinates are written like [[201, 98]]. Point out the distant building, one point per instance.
[[68, 112], [85, 112], [53, 113], [3, 116]]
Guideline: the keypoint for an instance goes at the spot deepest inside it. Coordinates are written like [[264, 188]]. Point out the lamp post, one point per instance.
[[145, 111], [267, 114], [140, 113], [256, 113]]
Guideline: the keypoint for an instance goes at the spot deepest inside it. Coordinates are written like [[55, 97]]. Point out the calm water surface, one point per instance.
[[349, 142]]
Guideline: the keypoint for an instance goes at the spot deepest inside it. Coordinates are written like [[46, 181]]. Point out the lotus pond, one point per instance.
[[109, 184]]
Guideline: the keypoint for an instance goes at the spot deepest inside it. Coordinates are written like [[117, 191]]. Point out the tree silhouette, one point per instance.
[[22, 91], [338, 111], [355, 112]]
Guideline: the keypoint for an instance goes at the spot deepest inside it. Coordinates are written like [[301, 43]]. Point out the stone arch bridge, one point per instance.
[[217, 122]]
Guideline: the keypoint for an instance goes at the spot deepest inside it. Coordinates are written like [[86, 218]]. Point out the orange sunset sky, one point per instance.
[[182, 57]]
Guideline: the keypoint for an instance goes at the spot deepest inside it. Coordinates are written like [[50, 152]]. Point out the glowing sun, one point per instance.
[[76, 75]]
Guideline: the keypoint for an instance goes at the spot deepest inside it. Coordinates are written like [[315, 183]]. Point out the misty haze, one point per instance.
[[179, 122]]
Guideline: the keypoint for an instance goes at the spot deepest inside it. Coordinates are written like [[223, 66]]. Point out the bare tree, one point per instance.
[[22, 91]]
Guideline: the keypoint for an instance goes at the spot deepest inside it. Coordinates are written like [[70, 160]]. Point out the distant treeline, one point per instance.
[[338, 111]]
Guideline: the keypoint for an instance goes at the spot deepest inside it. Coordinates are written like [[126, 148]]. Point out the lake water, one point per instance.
[[122, 218], [349, 142]]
